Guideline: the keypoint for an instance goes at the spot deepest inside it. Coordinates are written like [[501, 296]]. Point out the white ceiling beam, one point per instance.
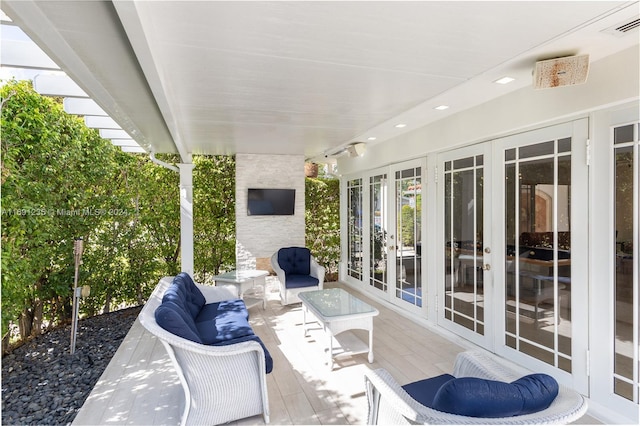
[[99, 122], [24, 54], [132, 149], [57, 85], [114, 134], [129, 15], [124, 142], [81, 106]]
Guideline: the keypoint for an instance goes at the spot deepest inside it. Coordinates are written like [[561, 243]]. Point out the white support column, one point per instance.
[[186, 216]]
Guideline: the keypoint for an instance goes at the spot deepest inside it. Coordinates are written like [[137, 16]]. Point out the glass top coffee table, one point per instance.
[[338, 312]]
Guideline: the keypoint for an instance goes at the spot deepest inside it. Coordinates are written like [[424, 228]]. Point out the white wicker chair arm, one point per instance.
[[213, 294], [318, 271], [388, 402], [479, 364], [277, 269]]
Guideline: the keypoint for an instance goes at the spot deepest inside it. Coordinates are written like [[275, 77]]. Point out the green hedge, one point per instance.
[[322, 216]]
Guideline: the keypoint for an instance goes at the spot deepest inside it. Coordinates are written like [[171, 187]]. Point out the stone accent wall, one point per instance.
[[261, 236]]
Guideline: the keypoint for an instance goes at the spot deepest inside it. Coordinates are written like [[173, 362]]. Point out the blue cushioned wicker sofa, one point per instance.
[[220, 362]]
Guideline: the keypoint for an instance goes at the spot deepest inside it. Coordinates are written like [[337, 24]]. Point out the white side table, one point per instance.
[[250, 283]]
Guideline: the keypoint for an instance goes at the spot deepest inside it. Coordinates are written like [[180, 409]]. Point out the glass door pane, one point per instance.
[[464, 230], [378, 231], [354, 224], [626, 374], [408, 263], [538, 251]]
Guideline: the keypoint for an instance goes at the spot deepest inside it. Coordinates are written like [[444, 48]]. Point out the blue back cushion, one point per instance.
[[185, 293], [175, 319], [295, 260], [474, 397], [222, 321]]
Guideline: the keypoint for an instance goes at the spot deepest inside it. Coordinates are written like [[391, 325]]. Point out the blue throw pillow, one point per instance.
[[474, 397]]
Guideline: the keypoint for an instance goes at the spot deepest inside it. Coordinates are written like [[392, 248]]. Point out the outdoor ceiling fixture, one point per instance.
[[558, 72], [504, 80], [355, 149]]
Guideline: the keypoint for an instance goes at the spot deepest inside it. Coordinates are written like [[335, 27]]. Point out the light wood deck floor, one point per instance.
[[140, 386]]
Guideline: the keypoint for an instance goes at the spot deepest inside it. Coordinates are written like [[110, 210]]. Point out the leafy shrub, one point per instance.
[[322, 217]]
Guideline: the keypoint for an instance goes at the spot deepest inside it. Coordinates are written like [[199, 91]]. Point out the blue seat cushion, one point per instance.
[[299, 281], [475, 397], [226, 320], [425, 390], [295, 260], [177, 320]]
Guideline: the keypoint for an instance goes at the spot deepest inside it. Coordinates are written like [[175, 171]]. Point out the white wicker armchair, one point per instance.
[[290, 295], [390, 404], [220, 383]]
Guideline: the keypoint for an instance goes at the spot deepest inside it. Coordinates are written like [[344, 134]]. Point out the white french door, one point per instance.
[[392, 234], [464, 275], [615, 230], [405, 225], [513, 265], [543, 262]]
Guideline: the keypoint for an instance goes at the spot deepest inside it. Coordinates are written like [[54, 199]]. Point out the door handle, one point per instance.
[[486, 267]]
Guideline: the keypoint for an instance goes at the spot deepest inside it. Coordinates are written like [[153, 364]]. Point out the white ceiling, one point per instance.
[[302, 77]]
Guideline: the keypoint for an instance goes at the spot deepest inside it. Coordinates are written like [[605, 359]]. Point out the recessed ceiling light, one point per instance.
[[401, 125], [504, 80], [371, 138], [442, 107]]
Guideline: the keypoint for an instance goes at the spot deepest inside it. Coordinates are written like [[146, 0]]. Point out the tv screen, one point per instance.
[[267, 202]]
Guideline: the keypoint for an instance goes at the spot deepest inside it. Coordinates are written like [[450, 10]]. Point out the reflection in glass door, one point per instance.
[[463, 230], [408, 213], [378, 232], [537, 267]]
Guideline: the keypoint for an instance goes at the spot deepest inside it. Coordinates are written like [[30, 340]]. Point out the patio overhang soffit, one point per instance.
[[310, 78]]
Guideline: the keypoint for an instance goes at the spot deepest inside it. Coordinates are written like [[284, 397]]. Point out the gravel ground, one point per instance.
[[43, 384]]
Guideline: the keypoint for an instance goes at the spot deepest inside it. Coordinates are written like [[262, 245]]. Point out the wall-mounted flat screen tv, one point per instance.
[[268, 202]]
